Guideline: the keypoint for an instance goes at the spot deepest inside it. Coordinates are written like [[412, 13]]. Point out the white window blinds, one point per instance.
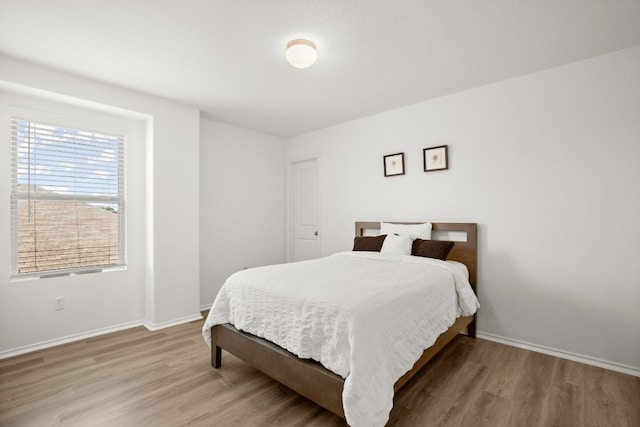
[[67, 199]]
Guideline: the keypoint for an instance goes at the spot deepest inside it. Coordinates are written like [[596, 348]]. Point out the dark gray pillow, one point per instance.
[[438, 249], [368, 243]]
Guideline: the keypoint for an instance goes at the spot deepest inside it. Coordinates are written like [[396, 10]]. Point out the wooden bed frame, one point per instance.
[[310, 378]]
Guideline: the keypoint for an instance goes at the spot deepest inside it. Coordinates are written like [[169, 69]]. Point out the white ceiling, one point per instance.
[[227, 57]]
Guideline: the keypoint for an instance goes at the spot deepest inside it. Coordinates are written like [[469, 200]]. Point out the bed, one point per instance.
[[310, 378]]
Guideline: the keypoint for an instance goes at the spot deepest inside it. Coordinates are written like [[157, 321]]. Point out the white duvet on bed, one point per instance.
[[365, 316]]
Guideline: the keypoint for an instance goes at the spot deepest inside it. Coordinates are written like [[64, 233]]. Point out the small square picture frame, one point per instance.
[[393, 164], [436, 158]]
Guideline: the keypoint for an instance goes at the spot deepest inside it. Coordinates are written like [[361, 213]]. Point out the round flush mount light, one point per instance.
[[301, 53]]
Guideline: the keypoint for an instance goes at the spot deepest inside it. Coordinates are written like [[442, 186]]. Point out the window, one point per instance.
[[67, 199]]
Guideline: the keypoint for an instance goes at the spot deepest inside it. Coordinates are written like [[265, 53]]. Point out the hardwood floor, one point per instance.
[[142, 378]]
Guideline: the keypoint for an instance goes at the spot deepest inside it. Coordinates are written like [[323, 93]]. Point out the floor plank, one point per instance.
[[141, 378]]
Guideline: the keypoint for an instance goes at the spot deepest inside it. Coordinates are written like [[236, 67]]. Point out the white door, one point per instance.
[[306, 244]]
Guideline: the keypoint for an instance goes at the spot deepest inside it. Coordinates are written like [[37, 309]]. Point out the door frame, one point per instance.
[[290, 226]]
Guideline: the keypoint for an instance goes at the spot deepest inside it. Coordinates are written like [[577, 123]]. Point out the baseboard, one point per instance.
[[629, 370], [205, 307], [65, 340], [162, 325]]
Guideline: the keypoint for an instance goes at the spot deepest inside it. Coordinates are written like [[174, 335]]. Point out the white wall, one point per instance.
[[548, 165], [242, 206], [161, 285]]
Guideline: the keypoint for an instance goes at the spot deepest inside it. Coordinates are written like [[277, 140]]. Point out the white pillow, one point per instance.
[[395, 244], [417, 231]]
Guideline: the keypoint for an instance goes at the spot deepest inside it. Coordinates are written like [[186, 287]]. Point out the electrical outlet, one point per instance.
[[58, 303]]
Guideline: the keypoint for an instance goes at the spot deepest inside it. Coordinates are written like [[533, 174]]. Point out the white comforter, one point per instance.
[[365, 316]]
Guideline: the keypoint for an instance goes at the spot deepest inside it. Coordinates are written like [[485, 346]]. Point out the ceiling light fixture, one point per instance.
[[301, 53]]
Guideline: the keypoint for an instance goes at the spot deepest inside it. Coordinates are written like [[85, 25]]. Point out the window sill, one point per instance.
[[64, 273]]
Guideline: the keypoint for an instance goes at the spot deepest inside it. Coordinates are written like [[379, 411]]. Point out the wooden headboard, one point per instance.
[[465, 252]]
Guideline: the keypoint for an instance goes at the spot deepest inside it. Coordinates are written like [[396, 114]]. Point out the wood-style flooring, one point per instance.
[[164, 378]]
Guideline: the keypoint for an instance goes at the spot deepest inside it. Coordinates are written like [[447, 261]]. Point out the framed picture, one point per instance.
[[394, 164], [435, 158]]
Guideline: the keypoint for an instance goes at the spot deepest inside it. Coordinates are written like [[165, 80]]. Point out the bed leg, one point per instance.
[[216, 357], [471, 328]]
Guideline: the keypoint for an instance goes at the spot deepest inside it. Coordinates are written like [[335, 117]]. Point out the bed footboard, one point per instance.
[[306, 377]]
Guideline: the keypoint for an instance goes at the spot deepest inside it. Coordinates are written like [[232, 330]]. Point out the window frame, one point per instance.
[[77, 122]]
